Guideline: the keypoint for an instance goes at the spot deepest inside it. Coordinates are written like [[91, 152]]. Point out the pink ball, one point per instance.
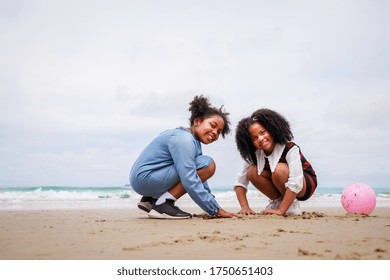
[[358, 198]]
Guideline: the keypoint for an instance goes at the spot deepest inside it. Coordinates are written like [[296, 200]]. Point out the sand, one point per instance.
[[123, 234]]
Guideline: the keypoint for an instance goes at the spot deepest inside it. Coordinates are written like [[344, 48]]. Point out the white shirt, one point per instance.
[[293, 158]]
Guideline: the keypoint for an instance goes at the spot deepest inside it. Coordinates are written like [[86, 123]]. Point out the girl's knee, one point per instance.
[[281, 171], [255, 178], [212, 167], [207, 172], [206, 164], [251, 173]]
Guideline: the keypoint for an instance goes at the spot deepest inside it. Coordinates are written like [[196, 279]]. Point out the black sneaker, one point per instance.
[[168, 210], [146, 204]]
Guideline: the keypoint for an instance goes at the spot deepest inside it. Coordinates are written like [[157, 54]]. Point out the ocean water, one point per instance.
[[123, 197]]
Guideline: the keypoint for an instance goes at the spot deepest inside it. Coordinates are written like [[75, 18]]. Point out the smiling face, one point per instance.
[[208, 130], [261, 138]]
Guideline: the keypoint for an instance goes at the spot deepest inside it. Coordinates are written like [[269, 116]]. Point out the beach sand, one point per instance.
[[119, 234]]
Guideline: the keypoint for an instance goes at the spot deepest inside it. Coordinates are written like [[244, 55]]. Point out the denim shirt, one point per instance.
[[178, 147]]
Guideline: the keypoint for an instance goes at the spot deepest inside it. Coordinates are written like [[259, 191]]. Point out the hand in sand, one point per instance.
[[223, 214], [246, 211], [273, 211]]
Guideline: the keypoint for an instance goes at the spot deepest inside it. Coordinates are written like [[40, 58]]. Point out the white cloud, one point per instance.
[[73, 72]]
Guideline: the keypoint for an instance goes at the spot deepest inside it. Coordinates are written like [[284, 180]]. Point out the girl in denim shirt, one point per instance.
[[173, 165]]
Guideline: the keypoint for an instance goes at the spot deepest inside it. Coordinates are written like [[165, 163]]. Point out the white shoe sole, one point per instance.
[[145, 206], [156, 215]]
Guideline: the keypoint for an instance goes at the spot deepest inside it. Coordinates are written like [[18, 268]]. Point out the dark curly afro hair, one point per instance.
[[276, 125], [201, 108]]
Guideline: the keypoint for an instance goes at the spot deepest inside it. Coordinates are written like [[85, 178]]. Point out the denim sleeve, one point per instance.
[[183, 152]]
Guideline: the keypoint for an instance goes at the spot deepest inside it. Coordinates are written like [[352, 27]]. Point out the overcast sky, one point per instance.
[[85, 85]]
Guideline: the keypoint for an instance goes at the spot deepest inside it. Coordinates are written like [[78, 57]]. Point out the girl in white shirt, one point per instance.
[[273, 164]]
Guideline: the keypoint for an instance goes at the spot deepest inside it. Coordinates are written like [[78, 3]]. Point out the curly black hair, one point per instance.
[[276, 125], [201, 108], [243, 141]]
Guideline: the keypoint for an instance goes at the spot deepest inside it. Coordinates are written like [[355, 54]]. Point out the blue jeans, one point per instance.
[[157, 182]]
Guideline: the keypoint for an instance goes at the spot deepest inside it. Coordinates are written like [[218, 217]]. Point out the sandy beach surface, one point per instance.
[[119, 234]]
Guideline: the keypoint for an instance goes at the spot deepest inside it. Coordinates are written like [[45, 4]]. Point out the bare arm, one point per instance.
[[242, 199]]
